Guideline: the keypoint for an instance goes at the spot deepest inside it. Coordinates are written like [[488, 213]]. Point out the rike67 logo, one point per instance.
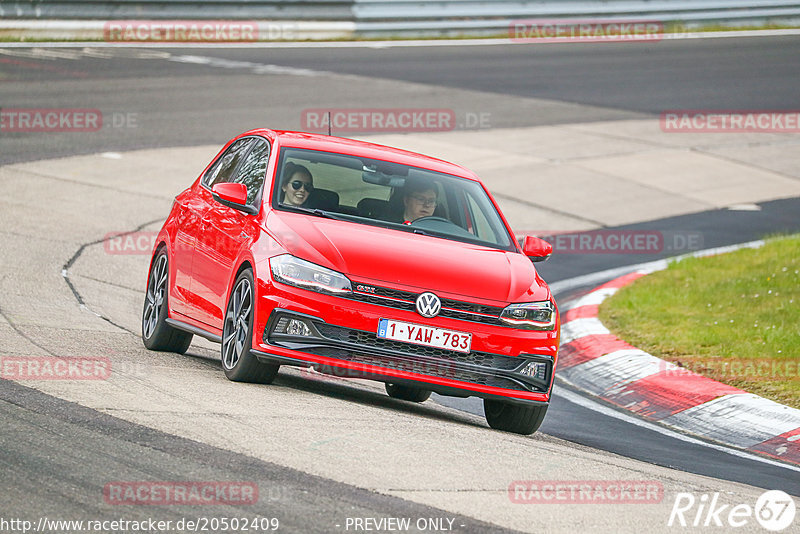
[[774, 510]]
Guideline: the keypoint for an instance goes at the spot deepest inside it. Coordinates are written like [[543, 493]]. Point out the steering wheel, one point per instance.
[[432, 218]]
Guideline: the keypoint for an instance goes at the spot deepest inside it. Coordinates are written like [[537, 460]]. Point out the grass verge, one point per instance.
[[734, 317]]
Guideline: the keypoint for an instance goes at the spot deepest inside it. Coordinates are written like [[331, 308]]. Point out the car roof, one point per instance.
[[343, 145]]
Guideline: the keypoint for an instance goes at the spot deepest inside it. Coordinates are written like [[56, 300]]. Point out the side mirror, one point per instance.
[[232, 195], [537, 249]]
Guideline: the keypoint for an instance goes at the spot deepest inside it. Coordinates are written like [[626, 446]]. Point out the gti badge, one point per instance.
[[428, 305]]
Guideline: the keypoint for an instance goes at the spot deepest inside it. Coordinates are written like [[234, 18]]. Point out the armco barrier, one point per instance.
[[178, 9], [406, 16]]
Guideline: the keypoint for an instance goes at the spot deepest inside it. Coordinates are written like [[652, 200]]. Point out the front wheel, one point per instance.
[[515, 418], [156, 333], [407, 393], [237, 336]]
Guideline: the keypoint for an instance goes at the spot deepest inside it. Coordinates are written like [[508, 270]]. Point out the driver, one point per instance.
[[297, 185], [419, 200]]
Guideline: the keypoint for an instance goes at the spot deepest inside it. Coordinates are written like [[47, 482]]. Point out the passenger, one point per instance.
[[419, 200], [297, 185]]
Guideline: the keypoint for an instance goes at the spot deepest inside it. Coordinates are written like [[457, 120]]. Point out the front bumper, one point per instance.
[[342, 341]]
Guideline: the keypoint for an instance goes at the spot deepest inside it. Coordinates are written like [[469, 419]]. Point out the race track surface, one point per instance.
[[322, 450]]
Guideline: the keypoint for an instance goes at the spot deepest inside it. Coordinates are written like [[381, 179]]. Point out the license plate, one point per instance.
[[425, 335]]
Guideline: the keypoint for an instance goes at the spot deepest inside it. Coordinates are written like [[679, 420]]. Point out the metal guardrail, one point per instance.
[[404, 17], [332, 10], [416, 9]]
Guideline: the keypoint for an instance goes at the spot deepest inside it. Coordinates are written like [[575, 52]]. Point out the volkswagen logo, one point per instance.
[[428, 305]]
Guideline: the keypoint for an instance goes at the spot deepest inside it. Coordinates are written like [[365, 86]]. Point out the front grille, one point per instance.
[[406, 300], [441, 370], [369, 339], [358, 346]]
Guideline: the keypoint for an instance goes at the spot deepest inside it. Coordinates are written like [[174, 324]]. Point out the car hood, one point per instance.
[[409, 261]]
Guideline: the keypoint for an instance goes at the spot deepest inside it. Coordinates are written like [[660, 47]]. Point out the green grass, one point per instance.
[[734, 317]]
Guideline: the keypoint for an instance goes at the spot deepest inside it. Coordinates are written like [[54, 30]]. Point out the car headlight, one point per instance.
[[531, 315], [300, 273]]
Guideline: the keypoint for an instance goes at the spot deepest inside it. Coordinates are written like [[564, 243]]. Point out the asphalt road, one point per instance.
[[184, 97], [162, 98], [57, 457], [646, 77]]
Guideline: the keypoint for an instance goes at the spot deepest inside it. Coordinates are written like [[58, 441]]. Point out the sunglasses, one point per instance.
[[297, 184]]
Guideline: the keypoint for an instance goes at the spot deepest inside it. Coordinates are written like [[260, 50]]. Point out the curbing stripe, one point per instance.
[[616, 369], [581, 312], [745, 420], [592, 299], [622, 281], [582, 327], [784, 447], [596, 361], [588, 348], [668, 392]]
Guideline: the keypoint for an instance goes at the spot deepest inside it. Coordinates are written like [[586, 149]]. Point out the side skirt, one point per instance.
[[180, 325]]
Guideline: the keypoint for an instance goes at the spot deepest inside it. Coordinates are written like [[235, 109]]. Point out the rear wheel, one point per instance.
[[237, 336], [156, 333], [407, 393], [515, 418]]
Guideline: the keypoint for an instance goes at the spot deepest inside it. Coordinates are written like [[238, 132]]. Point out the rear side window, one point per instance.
[[254, 169], [222, 170]]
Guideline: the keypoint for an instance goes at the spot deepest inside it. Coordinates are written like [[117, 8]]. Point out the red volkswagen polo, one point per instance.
[[356, 259]]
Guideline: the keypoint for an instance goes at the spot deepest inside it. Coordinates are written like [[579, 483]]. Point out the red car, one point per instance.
[[357, 260]]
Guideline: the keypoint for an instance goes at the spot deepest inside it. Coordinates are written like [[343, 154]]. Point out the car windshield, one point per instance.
[[388, 194]]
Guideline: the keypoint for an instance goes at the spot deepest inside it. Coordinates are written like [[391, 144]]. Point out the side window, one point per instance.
[[254, 169], [224, 167], [482, 227]]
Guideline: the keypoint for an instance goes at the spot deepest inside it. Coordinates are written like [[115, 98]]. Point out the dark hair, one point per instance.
[[290, 169], [419, 186]]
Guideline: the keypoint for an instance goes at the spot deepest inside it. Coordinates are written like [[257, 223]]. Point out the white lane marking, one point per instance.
[[580, 400], [257, 68], [388, 44], [745, 207]]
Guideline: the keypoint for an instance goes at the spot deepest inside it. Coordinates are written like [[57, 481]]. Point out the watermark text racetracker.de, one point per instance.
[[192, 493], [333, 373], [55, 120], [730, 121], [183, 31], [619, 241], [365, 120], [55, 368], [735, 368], [587, 31], [142, 242], [585, 492]]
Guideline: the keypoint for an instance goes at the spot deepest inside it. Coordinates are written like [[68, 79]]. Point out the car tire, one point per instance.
[[156, 333], [237, 336], [513, 417], [407, 393]]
